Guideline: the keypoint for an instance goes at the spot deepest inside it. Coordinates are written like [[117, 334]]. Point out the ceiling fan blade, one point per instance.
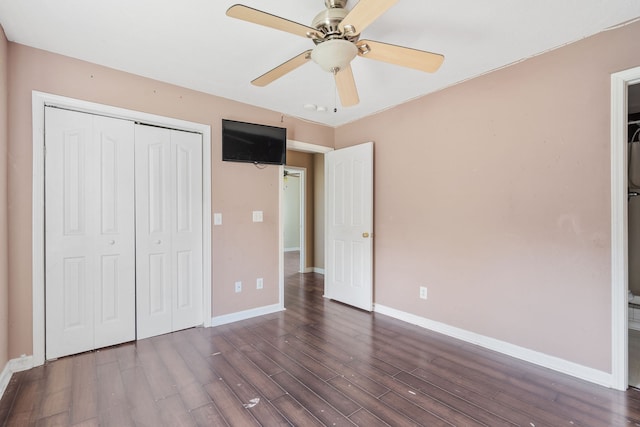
[[346, 85], [272, 21], [282, 69], [363, 14], [399, 55]]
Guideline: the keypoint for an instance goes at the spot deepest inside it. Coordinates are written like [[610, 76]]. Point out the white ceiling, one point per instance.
[[192, 43]]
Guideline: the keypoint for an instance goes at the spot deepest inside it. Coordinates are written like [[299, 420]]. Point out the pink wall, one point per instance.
[[4, 291], [242, 250], [494, 193]]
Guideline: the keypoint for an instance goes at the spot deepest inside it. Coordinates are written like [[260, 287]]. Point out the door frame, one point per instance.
[[39, 101], [619, 227], [303, 147], [302, 211]]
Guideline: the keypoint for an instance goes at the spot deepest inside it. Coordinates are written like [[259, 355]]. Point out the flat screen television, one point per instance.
[[253, 143]]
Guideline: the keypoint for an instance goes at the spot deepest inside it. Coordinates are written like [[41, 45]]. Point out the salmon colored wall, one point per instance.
[[305, 160], [4, 274], [242, 250], [494, 194]]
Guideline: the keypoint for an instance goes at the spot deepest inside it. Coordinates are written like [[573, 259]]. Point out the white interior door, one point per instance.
[[89, 232], [168, 230], [349, 226]]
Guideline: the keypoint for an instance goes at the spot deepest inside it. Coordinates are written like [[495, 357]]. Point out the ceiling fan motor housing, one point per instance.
[[328, 20]]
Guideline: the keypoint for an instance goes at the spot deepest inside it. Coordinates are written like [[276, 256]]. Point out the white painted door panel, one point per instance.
[[349, 222], [114, 305], [169, 230], [187, 234], [153, 230], [89, 232]]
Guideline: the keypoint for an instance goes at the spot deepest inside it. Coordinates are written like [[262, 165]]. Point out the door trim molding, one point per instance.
[[39, 101], [619, 227], [306, 147]]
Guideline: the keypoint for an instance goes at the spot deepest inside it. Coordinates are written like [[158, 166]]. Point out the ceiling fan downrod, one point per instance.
[[340, 4]]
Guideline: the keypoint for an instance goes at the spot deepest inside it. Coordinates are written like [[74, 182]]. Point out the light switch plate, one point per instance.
[[217, 219], [257, 216]]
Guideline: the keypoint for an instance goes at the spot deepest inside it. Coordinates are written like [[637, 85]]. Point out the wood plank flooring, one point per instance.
[[317, 363]]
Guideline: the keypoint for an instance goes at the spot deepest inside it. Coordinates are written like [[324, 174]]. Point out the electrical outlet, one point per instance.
[[259, 283], [238, 287], [423, 292]]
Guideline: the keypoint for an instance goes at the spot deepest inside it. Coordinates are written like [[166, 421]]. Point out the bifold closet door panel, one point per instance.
[[168, 230], [89, 232], [187, 231], [154, 186]]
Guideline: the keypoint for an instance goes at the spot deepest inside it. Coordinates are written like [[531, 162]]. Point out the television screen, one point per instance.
[[253, 143]]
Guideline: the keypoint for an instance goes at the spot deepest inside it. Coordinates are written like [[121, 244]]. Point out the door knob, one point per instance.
[[365, 235], [112, 242], [158, 242]]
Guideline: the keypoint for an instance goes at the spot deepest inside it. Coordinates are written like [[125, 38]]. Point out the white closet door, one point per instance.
[[153, 230], [187, 232], [168, 230], [89, 232]]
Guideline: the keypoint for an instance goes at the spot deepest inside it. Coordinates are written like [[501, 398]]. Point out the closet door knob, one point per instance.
[[158, 242], [112, 242]]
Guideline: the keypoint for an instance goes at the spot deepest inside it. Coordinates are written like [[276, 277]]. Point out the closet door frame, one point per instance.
[[39, 101]]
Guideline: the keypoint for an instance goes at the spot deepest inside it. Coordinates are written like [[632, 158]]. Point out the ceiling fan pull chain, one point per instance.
[[335, 95]]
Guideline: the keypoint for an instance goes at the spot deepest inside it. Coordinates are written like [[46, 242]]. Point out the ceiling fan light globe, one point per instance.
[[333, 55]]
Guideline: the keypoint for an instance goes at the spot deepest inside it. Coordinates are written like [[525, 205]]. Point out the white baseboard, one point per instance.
[[247, 314], [314, 270], [535, 357], [292, 249], [5, 377], [12, 366]]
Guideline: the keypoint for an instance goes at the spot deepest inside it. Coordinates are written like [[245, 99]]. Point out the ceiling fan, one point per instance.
[[336, 34]]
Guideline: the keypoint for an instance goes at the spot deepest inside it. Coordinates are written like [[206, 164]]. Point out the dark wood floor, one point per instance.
[[317, 363]]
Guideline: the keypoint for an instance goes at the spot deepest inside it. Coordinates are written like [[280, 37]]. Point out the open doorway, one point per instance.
[[620, 310], [294, 218], [633, 212], [345, 196], [308, 161]]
